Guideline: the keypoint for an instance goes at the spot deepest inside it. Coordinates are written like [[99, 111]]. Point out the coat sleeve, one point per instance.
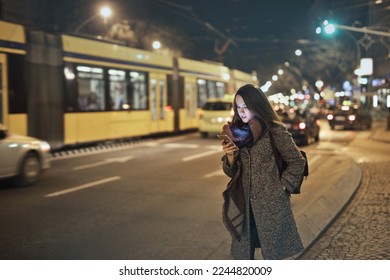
[[292, 175], [229, 170]]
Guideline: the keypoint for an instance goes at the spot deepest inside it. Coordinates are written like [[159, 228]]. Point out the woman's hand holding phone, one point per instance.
[[228, 147]]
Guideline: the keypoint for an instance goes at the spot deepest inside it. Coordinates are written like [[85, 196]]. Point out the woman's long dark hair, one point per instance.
[[258, 103]]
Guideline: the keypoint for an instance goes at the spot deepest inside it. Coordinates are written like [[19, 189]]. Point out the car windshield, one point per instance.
[[218, 106]]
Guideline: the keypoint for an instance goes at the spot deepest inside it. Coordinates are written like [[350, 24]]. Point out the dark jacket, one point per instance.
[[265, 192]]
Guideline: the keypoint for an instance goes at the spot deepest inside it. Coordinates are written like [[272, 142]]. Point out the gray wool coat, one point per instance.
[[265, 192]]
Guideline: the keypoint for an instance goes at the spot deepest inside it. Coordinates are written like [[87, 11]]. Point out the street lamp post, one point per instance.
[[331, 28], [105, 12], [358, 52], [362, 30]]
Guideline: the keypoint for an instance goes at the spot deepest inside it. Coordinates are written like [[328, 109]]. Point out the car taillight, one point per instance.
[[302, 125], [330, 117], [352, 118]]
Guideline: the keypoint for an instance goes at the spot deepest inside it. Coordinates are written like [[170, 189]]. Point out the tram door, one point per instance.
[[3, 91], [158, 103], [189, 114]]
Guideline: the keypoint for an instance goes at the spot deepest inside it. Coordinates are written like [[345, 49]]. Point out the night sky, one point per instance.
[[258, 35], [261, 32]]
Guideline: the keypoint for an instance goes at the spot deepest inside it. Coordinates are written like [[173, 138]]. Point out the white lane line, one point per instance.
[[181, 145], [205, 154], [85, 186], [106, 161], [215, 147], [218, 172]]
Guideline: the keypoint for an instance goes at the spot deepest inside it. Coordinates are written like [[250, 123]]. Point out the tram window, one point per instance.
[[211, 89], [118, 96], [90, 88], [220, 87], [202, 90], [71, 97], [188, 99], [153, 96], [162, 99], [138, 93], [193, 103]]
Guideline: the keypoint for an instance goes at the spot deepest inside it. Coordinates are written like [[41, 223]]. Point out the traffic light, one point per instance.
[[326, 27]]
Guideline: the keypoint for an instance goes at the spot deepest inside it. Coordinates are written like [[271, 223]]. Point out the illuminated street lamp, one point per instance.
[[298, 52], [105, 12], [319, 84], [331, 27], [156, 45]]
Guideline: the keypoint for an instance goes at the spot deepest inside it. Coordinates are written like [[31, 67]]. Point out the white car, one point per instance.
[[214, 114], [22, 157]]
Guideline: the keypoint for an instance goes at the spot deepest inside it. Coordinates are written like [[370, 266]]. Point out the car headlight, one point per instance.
[[44, 146]]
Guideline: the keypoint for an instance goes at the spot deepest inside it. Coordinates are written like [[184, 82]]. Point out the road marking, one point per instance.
[[218, 172], [85, 186], [314, 159], [205, 154], [106, 161], [181, 145], [215, 147]]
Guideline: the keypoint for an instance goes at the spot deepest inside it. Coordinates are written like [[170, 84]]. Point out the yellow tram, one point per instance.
[[70, 90]]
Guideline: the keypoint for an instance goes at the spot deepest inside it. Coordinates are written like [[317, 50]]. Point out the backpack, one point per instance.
[[282, 164]]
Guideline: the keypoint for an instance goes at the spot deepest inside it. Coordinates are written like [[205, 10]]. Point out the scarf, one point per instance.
[[233, 208], [243, 134]]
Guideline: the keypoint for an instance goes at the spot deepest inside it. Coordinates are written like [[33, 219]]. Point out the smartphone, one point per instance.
[[226, 139]]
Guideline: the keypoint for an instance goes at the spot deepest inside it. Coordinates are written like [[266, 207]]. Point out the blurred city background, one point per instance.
[[119, 103]]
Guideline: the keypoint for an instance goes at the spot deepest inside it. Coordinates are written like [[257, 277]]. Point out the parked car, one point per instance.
[[303, 127], [213, 115], [350, 117], [22, 158]]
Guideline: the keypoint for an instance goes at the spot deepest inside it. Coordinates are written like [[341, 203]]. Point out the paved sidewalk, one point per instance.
[[315, 210], [381, 134], [329, 188]]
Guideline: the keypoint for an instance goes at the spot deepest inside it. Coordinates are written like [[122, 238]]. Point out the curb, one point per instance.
[[322, 205]]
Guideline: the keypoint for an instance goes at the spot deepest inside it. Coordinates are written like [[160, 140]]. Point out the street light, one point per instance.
[[332, 27], [156, 45], [105, 12], [298, 52]]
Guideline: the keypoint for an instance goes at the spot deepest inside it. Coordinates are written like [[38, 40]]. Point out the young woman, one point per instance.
[[257, 208]]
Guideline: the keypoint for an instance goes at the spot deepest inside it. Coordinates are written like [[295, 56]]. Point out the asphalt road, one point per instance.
[[157, 199]]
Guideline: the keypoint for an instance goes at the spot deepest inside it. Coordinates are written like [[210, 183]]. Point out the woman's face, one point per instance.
[[245, 114]]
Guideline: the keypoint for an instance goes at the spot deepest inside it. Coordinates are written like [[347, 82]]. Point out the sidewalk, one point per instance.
[[325, 193], [314, 210], [381, 135]]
